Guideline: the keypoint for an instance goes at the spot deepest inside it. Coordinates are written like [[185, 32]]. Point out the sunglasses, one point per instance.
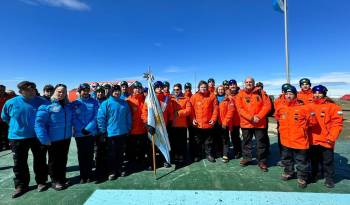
[[176, 89]]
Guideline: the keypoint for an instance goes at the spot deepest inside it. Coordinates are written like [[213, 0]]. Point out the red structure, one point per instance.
[[346, 97]]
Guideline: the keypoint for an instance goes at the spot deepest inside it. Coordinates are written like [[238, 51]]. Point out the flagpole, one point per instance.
[[286, 40], [154, 156]]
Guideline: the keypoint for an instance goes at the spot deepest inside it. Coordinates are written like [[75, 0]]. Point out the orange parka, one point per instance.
[[182, 109], [306, 96], [226, 110], [136, 103], [168, 112], [294, 118], [250, 104], [235, 119], [204, 108], [188, 94], [211, 90], [329, 123]]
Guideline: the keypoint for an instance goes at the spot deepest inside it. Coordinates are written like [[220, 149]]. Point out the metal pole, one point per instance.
[[286, 40]]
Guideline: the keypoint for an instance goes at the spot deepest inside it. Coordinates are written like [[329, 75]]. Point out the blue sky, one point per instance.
[[73, 41]]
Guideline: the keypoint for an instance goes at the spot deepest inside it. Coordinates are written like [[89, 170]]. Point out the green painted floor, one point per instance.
[[202, 175]]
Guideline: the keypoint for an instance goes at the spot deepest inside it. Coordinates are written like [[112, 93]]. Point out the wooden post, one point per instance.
[[154, 156]]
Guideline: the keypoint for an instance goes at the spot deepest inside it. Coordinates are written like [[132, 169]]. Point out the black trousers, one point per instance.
[[325, 157], [261, 143], [137, 148], [4, 142], [20, 149], [85, 148], [290, 157], [217, 140], [101, 156], [58, 156], [191, 141], [204, 141], [225, 140], [236, 140], [116, 147], [178, 141]]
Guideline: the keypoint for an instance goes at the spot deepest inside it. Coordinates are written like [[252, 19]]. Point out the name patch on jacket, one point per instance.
[[56, 108]]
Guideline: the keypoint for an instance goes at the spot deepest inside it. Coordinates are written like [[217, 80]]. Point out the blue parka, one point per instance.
[[54, 122], [114, 117], [20, 113], [86, 112]]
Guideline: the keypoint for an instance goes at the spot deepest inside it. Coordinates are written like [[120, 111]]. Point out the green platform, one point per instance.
[[202, 175]]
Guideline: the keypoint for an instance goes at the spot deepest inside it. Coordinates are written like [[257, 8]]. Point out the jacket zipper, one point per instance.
[[65, 122]]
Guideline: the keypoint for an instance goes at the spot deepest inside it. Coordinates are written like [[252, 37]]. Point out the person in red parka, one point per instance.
[[178, 138], [224, 123], [253, 108], [294, 119], [235, 130], [324, 134], [168, 111], [204, 114], [137, 145], [4, 142], [305, 94]]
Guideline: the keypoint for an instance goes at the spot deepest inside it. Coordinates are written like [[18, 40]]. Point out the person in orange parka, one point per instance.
[[279, 102], [305, 94], [324, 135], [204, 114], [191, 129], [224, 124], [253, 108], [235, 130], [188, 90], [178, 138], [211, 85], [137, 144], [4, 142], [294, 118], [168, 112], [166, 88]]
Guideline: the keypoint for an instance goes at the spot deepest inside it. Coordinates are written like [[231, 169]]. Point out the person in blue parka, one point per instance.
[[19, 112], [86, 111], [53, 126], [114, 121]]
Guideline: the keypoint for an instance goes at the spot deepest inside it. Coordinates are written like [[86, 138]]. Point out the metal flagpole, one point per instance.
[[286, 40]]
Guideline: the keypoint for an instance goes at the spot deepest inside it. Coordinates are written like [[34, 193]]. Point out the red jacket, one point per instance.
[[3, 101], [306, 96], [329, 123], [136, 103], [168, 113], [236, 119], [226, 110], [250, 104], [182, 109], [204, 108], [188, 94], [294, 118]]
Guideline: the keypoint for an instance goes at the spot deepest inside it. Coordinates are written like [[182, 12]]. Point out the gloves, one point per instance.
[[85, 132]]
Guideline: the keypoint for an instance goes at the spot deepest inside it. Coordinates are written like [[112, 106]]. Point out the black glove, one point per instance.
[[85, 132], [151, 130]]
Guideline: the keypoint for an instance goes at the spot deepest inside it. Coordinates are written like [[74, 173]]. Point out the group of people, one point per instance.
[[109, 124]]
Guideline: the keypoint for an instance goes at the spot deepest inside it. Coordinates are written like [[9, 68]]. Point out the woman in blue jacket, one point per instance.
[[114, 120], [86, 111], [53, 126]]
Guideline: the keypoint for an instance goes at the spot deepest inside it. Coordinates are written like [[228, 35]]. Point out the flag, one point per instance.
[[278, 5], [156, 120]]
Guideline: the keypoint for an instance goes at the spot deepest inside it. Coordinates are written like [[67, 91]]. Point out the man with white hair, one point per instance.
[[253, 107]]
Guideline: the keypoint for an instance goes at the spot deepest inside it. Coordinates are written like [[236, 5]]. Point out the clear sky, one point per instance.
[[74, 41]]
